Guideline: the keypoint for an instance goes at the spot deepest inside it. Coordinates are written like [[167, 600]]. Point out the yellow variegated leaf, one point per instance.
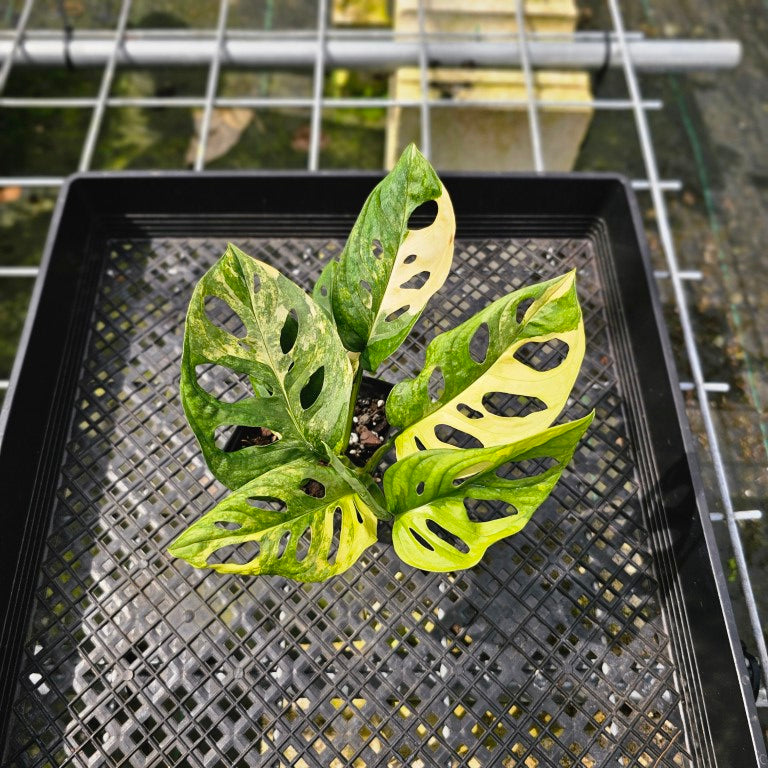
[[302, 521], [299, 374], [387, 272], [553, 316], [428, 252], [426, 493]]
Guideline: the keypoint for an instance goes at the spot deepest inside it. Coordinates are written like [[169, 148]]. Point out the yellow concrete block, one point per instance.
[[485, 16], [360, 13], [489, 137]]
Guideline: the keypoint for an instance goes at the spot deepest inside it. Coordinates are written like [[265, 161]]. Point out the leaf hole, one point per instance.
[[303, 544], [267, 503], [224, 437], [517, 470], [392, 316], [420, 488], [410, 258], [323, 291], [228, 525], [421, 540], [311, 390], [313, 488], [508, 406], [223, 316], [365, 285], [417, 281], [522, 308], [359, 515], [283, 544], [241, 553], [478, 344], [482, 511], [456, 437], [289, 332], [223, 383], [542, 355], [469, 412], [423, 216], [447, 536], [333, 549], [377, 249], [419, 445], [436, 384], [256, 283]]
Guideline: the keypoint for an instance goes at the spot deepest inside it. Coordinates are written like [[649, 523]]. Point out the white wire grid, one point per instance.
[[620, 47]]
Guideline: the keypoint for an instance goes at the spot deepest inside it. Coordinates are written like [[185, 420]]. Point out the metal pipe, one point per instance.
[[211, 86], [18, 37], [89, 145], [530, 88], [318, 81], [288, 51]]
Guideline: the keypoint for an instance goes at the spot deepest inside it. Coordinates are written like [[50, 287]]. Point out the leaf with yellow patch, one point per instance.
[[247, 320], [387, 272], [426, 492], [506, 373], [302, 521]]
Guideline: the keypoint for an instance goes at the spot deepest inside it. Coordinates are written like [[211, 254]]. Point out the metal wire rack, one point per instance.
[[323, 47]]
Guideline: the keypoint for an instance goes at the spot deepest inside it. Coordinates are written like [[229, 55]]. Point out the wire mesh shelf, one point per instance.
[[322, 48]]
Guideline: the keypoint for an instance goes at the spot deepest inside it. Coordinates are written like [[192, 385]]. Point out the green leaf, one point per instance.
[[362, 484], [387, 273], [426, 493], [283, 529], [322, 293], [289, 351], [472, 386]]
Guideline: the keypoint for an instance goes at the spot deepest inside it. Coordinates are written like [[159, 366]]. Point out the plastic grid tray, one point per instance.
[[587, 639]]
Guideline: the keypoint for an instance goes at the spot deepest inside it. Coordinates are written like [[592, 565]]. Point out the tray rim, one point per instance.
[[71, 189]]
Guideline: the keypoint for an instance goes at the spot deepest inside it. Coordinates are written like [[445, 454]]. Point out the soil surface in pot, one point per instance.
[[369, 426]]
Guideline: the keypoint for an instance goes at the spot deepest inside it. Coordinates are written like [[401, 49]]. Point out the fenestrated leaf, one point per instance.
[[387, 273], [245, 517], [362, 484], [299, 370], [323, 289], [554, 316], [426, 493]]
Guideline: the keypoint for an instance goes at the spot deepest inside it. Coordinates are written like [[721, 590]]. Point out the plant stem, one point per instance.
[[381, 451], [353, 399]]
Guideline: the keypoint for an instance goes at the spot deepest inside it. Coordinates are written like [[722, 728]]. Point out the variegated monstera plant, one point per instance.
[[307, 511]]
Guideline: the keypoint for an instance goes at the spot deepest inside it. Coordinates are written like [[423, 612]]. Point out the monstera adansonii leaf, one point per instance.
[[387, 272], [301, 520], [498, 391], [287, 351], [426, 493]]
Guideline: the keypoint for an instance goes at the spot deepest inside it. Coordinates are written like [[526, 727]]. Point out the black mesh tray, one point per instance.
[[598, 636]]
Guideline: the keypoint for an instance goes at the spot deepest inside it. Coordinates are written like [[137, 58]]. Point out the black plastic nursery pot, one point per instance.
[[599, 635]]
